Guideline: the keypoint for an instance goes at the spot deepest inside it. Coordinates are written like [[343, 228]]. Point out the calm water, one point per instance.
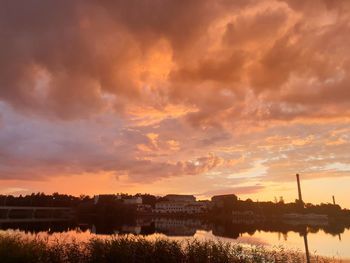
[[329, 241]]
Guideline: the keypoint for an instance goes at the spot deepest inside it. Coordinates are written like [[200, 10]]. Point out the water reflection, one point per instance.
[[141, 226], [307, 252], [172, 226], [291, 235]]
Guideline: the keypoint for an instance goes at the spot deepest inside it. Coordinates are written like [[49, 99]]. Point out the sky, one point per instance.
[[191, 97]]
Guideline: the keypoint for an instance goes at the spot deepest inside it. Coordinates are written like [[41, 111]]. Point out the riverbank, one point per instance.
[[17, 248]]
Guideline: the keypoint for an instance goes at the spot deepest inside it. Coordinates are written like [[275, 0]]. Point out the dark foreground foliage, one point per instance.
[[17, 248]]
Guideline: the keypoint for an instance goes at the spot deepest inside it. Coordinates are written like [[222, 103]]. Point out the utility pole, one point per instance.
[[307, 254], [299, 189], [333, 199]]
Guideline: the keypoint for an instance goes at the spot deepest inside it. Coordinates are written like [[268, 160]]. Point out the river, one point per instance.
[[330, 241]]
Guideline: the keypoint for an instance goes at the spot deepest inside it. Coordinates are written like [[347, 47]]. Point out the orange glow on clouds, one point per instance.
[[232, 96]]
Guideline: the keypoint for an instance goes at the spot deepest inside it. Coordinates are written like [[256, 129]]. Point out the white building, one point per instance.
[[135, 200], [169, 207], [194, 208]]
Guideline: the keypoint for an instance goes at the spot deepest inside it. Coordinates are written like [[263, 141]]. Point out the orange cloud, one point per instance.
[[159, 90]]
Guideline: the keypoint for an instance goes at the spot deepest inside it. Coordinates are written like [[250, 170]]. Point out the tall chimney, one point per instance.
[[333, 199], [299, 189]]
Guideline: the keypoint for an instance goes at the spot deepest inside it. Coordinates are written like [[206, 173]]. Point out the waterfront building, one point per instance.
[[111, 198], [180, 198], [134, 200], [223, 200], [171, 207], [144, 208], [106, 198]]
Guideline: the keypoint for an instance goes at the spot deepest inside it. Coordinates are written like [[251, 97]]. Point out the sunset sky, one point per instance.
[[170, 96]]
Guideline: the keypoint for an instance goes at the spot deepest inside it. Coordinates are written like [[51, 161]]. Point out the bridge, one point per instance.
[[16, 214]]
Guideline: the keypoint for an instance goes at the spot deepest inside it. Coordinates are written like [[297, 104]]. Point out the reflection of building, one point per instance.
[[180, 198], [140, 227], [225, 230], [305, 219], [131, 229], [177, 227], [246, 217]]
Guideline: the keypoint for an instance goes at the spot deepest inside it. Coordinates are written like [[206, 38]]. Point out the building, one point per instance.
[[223, 200], [180, 198], [108, 199], [105, 199], [166, 207], [144, 208], [172, 207], [134, 200], [195, 208]]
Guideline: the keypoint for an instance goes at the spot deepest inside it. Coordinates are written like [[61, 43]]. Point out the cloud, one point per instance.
[[146, 170], [163, 89], [93, 56], [74, 53], [250, 28], [36, 149]]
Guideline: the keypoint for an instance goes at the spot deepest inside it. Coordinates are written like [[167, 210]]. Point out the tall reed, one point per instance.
[[130, 249]]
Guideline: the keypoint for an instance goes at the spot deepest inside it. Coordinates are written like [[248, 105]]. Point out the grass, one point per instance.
[[130, 249]]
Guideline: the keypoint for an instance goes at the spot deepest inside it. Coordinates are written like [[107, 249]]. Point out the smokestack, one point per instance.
[[333, 199], [299, 189]]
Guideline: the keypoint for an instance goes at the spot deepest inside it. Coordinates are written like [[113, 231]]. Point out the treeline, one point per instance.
[[41, 199], [85, 204], [277, 208], [56, 199]]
